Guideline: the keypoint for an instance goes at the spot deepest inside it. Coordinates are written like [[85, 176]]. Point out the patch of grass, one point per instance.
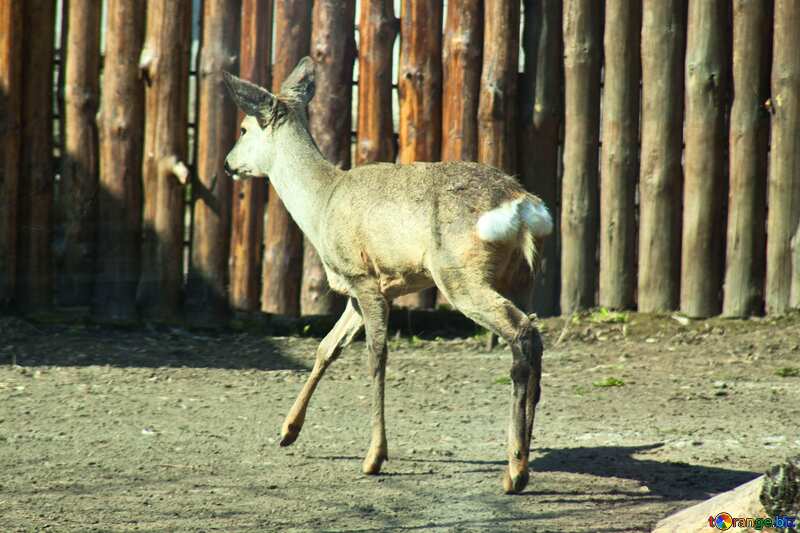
[[606, 316], [502, 380], [788, 372], [609, 382], [580, 390]]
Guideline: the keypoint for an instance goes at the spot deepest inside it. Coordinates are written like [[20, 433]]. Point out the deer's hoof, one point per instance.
[[516, 484], [289, 435], [372, 464]]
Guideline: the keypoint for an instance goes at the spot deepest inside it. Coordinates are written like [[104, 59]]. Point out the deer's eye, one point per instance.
[[242, 131]]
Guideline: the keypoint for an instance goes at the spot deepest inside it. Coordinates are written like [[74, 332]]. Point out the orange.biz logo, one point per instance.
[[725, 521]]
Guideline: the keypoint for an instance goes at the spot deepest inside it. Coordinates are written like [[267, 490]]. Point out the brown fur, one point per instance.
[[385, 230]]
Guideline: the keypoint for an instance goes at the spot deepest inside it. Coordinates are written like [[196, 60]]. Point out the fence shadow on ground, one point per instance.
[[30, 344]]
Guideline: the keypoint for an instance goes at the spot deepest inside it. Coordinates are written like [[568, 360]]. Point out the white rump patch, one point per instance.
[[503, 223]]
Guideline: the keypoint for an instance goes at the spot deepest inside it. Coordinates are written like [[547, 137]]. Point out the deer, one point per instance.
[[384, 230]]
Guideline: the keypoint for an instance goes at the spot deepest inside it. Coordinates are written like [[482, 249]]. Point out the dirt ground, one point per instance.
[[160, 429]]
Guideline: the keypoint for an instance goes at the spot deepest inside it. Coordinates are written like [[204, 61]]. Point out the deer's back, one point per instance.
[[397, 217]]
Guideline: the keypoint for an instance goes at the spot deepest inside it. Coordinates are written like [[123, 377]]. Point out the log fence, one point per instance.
[[664, 135]]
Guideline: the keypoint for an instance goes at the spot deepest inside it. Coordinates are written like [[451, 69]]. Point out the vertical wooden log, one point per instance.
[[206, 297], [784, 164], [747, 141], [497, 105], [663, 45], [247, 212], [794, 300], [11, 37], [463, 43], [377, 29], [704, 167], [121, 123], [283, 240], [579, 200], [333, 49], [539, 136], [79, 160], [35, 215], [619, 161], [165, 66], [420, 93]]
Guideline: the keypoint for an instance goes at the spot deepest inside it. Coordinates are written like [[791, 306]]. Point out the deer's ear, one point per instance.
[[249, 97], [299, 85]]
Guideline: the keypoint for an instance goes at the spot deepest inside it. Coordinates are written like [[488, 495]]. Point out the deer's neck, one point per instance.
[[301, 175]]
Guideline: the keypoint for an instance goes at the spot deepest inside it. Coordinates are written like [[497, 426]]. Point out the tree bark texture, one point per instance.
[[620, 155], [11, 54], [206, 291], [420, 93], [707, 74], [463, 43], [542, 117], [497, 101], [35, 216], [79, 159], [663, 46], [247, 211], [784, 165], [747, 142], [121, 123], [165, 67], [283, 240], [579, 204], [333, 49], [377, 31]]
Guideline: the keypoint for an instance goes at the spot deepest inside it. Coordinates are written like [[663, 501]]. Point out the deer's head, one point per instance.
[[265, 115]]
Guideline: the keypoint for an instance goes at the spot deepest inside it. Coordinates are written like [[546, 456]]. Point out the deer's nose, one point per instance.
[[228, 169]]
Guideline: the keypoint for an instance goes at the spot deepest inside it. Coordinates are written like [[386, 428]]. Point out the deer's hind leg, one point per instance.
[[347, 327], [483, 304]]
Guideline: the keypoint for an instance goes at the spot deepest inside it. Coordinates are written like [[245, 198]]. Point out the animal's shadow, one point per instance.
[[667, 480]]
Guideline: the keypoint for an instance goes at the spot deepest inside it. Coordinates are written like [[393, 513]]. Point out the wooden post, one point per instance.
[[333, 48], [539, 136], [35, 216], [79, 160], [704, 164], [497, 105], [121, 122], [795, 248], [784, 165], [419, 90], [377, 31], [283, 240], [620, 155], [765, 497], [463, 41], [579, 197], [165, 66], [663, 45], [11, 37], [247, 212], [206, 290], [749, 123]]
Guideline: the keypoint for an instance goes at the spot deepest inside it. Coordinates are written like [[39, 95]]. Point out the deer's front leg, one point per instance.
[[375, 313], [347, 327]]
